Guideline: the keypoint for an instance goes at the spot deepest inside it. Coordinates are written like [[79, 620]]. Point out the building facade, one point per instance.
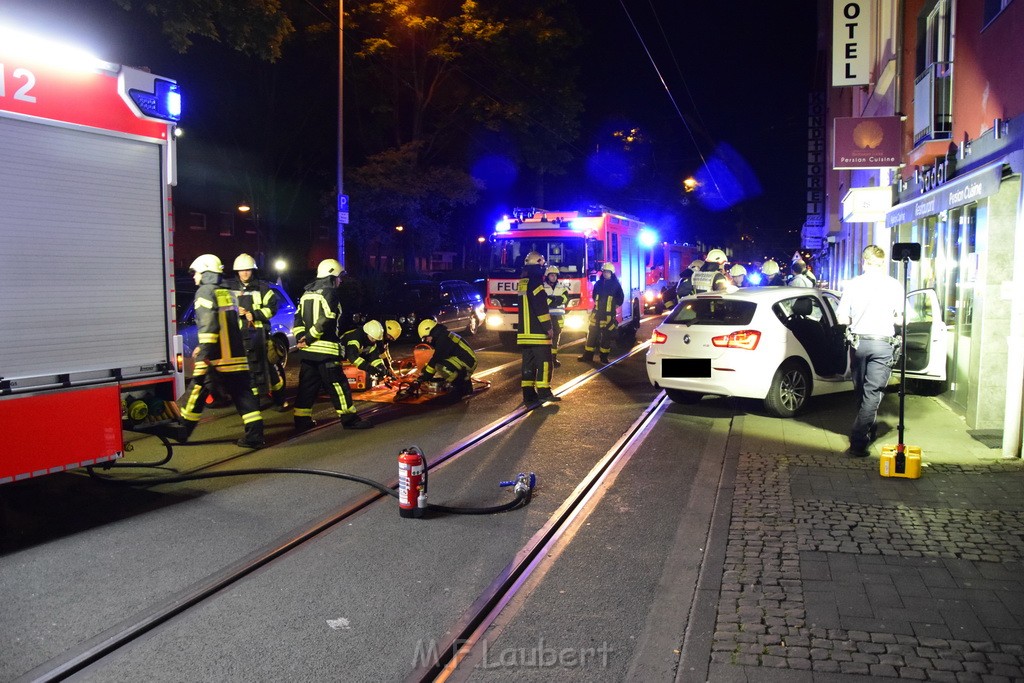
[[945, 77]]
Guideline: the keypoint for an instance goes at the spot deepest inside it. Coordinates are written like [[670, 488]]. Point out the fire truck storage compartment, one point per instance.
[[81, 257]]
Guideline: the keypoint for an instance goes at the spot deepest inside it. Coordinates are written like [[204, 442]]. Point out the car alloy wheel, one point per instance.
[[789, 390]]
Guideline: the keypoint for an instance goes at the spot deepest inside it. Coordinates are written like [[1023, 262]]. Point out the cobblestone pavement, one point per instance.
[[832, 572]]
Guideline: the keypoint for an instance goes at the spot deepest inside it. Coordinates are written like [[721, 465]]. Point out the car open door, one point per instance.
[[926, 336]]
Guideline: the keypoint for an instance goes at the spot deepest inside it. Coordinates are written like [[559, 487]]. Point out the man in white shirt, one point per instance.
[[871, 307]]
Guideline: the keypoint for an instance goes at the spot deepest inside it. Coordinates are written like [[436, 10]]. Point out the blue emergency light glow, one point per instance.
[[754, 278], [502, 226], [648, 238], [164, 103]]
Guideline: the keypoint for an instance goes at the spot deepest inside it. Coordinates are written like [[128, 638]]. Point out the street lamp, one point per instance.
[[280, 265], [246, 208], [690, 184], [481, 241]]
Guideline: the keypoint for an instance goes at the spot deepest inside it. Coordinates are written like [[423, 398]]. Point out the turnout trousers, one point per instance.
[[871, 364], [325, 374], [600, 335], [237, 385], [536, 369]]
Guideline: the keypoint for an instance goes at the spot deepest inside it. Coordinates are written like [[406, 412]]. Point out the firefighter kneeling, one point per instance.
[[364, 348], [453, 360]]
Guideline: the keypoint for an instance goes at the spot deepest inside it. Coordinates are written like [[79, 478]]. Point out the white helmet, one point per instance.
[[609, 266], [716, 256], [207, 263], [329, 266], [533, 259], [374, 330], [244, 262], [552, 270], [696, 265], [737, 270], [770, 268]]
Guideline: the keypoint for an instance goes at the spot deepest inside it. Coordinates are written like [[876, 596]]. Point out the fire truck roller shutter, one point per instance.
[[81, 252]]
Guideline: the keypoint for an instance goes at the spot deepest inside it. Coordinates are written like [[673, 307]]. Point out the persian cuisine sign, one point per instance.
[[867, 142]]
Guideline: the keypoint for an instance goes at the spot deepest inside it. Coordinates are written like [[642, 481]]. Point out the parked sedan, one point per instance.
[[453, 303], [777, 344]]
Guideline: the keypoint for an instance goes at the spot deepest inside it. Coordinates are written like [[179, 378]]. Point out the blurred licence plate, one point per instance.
[[686, 367]]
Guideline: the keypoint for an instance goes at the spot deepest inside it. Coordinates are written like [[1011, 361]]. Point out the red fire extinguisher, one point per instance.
[[412, 483]]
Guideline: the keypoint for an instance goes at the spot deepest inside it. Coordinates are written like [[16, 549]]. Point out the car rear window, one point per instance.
[[712, 311]]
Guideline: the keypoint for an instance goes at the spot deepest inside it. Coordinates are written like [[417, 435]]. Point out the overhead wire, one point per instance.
[[668, 91]]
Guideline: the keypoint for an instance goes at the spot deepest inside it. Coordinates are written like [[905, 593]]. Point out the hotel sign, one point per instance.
[[867, 142], [851, 42]]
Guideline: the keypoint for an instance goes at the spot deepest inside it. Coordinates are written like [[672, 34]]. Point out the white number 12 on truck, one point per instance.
[[87, 336]]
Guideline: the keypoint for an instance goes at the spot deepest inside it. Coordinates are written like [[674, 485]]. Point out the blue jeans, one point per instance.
[[872, 366]]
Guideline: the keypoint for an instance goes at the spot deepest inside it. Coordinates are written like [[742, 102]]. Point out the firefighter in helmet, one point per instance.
[[558, 298], [739, 276], [607, 296], [711, 277], [534, 332], [364, 347], [316, 333], [257, 304], [453, 360], [772, 274], [220, 355]]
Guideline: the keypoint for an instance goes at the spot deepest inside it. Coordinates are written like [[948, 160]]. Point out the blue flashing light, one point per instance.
[[648, 238], [754, 278], [503, 225], [164, 103]]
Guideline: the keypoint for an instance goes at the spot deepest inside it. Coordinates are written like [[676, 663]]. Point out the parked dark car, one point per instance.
[[453, 303]]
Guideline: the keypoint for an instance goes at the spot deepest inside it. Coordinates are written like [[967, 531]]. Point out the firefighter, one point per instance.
[[739, 276], [607, 297], [711, 277], [453, 360], [257, 304], [558, 299], [220, 355], [316, 333], [535, 332], [364, 348], [772, 274]]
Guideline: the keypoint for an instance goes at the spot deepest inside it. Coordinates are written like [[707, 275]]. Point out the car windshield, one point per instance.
[[417, 293], [712, 311], [567, 253]]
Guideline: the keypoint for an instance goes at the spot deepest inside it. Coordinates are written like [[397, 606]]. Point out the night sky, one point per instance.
[[747, 69]]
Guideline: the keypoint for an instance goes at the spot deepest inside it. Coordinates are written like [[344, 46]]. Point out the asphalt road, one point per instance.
[[366, 599]]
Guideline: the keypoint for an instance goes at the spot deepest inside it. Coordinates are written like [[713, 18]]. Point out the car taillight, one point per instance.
[[744, 339], [659, 337]]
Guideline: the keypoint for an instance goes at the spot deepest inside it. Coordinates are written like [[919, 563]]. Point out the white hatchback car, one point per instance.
[[781, 345]]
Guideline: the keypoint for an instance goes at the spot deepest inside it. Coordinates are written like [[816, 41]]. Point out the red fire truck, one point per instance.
[[579, 243], [87, 322]]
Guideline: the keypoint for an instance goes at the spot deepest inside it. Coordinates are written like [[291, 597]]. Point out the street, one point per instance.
[[706, 542]]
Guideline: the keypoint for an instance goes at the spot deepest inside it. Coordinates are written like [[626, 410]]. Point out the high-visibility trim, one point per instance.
[[254, 416], [303, 412], [203, 303], [209, 337]]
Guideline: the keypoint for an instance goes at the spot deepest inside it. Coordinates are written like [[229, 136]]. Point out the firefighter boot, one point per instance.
[[545, 395], [530, 397], [303, 424], [353, 421], [253, 436], [604, 358], [587, 357], [463, 387]]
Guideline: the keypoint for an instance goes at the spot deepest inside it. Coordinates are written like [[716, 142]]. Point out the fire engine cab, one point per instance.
[[87, 335], [579, 243]]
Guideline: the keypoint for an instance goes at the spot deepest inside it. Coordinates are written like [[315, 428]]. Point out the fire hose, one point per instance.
[[411, 481]]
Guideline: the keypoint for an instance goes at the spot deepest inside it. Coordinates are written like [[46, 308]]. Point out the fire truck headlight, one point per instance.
[[494, 303], [576, 322], [494, 321]]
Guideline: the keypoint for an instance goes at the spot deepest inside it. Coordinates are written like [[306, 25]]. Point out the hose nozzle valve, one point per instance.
[[523, 483]]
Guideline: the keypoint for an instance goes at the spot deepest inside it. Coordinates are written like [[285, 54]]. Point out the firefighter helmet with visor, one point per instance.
[[426, 327], [244, 262], [329, 267], [207, 263]]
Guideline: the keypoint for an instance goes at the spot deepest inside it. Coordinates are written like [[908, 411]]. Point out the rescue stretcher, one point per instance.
[[406, 386]]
